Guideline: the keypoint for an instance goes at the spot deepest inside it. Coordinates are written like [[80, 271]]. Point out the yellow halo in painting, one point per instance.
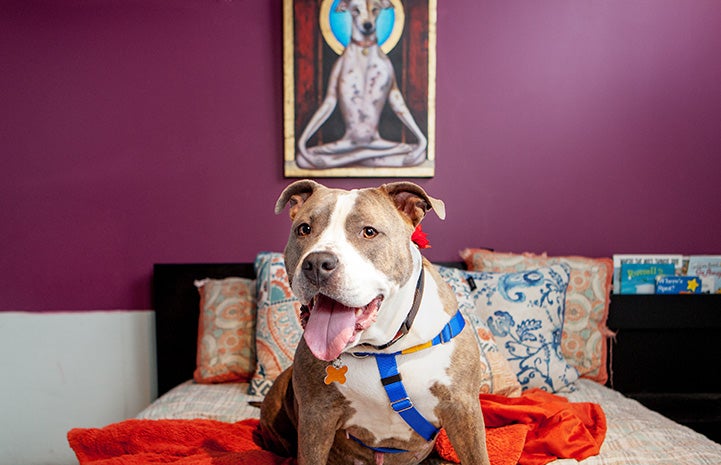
[[337, 46]]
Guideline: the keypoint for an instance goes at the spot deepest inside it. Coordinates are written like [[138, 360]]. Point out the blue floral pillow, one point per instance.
[[524, 311], [497, 377]]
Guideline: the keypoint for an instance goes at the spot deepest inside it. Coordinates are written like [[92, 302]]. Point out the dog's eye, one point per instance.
[[369, 232], [303, 230]]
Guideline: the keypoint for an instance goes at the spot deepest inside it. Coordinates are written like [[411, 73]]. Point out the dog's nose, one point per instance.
[[367, 27], [319, 266]]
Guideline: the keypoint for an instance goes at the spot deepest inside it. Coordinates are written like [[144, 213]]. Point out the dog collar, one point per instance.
[[410, 318], [364, 43]]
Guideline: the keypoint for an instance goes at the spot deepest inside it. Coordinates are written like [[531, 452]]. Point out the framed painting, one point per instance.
[[359, 88]]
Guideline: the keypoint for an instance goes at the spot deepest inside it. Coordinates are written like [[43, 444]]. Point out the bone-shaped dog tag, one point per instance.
[[335, 373]]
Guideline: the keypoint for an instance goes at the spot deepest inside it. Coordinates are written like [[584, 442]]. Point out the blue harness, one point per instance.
[[393, 385]]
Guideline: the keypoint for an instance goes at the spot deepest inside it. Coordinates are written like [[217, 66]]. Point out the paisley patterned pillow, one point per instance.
[[525, 312], [497, 376], [226, 330], [278, 328], [585, 334]]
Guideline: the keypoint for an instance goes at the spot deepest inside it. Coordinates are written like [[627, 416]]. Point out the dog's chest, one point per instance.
[[369, 402], [365, 75]]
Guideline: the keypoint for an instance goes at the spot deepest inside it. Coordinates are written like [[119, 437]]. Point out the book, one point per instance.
[[708, 268], [640, 278], [678, 285], [620, 259]]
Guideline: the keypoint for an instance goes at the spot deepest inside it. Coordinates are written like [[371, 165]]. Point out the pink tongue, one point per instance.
[[330, 328]]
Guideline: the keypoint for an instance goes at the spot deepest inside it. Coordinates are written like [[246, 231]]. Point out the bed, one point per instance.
[[635, 434]]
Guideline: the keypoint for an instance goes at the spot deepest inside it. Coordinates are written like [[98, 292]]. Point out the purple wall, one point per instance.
[[135, 132]]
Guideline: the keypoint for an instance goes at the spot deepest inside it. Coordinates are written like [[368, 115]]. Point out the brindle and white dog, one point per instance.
[[384, 360]]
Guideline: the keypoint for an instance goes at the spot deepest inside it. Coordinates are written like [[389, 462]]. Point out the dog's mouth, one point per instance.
[[330, 325]]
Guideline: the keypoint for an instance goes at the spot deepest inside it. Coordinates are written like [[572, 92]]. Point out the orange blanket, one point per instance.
[[531, 430], [556, 427], [180, 442]]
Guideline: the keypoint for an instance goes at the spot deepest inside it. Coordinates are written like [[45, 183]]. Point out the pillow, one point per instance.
[[525, 312], [278, 328], [226, 330], [584, 341], [497, 376]]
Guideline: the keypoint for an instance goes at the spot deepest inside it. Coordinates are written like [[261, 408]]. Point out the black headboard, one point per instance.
[[176, 302]]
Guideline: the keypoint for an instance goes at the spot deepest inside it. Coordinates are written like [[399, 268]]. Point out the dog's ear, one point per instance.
[[412, 200], [342, 6], [295, 194], [386, 4]]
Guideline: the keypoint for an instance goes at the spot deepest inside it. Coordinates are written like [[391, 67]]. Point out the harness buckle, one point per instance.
[[401, 405]]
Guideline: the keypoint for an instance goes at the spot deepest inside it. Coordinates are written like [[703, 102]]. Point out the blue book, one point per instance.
[[640, 278], [678, 285]]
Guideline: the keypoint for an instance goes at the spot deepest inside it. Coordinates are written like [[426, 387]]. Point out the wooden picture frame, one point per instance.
[[383, 130]]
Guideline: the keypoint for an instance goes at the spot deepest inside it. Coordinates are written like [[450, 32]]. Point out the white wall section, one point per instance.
[[60, 371]]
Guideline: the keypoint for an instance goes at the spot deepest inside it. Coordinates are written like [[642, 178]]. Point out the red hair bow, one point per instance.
[[420, 238]]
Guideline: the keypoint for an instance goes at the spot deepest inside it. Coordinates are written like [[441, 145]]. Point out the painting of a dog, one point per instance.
[[359, 114]]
